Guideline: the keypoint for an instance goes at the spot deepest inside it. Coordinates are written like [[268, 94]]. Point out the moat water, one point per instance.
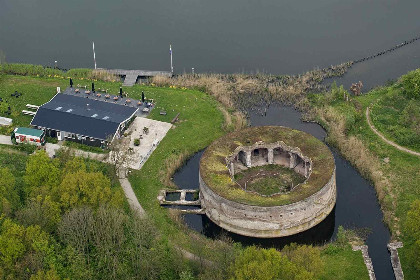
[[357, 206]]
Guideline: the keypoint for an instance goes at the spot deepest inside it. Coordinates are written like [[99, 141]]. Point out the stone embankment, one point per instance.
[[367, 260], [395, 260]]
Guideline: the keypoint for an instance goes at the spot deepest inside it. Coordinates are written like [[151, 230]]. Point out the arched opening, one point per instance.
[[259, 156], [281, 157], [241, 158], [300, 165]]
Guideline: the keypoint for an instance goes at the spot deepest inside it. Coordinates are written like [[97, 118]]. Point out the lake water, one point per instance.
[[274, 36]]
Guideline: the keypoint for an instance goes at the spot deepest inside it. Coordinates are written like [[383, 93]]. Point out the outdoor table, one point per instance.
[[77, 90], [87, 91], [98, 95], [107, 96]]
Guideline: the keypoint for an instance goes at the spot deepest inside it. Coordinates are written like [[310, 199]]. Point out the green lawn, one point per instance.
[[268, 179], [391, 116], [35, 91], [343, 263]]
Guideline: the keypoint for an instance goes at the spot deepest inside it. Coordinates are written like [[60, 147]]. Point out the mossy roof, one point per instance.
[[215, 174]]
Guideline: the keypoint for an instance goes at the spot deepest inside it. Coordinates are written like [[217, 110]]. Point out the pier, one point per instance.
[[131, 76]]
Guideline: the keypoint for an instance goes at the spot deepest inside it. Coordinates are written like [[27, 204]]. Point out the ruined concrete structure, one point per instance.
[[251, 214], [262, 153]]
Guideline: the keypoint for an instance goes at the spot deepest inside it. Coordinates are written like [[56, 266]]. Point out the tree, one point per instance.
[[42, 211], [8, 196], [411, 84], [266, 264], [24, 251], [86, 188], [120, 156], [48, 275], [40, 171], [305, 256]]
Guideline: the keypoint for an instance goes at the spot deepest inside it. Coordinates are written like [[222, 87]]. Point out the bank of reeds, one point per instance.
[[354, 150], [256, 92], [41, 71]]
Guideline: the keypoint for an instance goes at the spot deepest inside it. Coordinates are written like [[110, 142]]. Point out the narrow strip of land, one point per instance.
[[372, 127]]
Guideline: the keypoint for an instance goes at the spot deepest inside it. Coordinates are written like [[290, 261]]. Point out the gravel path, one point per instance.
[[386, 140]]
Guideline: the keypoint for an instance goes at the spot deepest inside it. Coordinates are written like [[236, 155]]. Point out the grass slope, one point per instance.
[[390, 116], [401, 173]]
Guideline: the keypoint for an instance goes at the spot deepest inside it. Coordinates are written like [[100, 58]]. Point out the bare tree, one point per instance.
[[120, 155]]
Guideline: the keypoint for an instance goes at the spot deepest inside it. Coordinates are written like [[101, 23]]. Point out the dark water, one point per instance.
[[274, 36], [357, 206]]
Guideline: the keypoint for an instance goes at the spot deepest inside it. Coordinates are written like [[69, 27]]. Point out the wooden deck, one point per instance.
[[132, 75]]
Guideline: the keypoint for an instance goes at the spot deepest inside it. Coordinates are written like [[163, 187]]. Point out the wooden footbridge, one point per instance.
[[131, 76]]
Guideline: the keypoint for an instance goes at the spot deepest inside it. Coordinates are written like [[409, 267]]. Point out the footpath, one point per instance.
[[372, 127]]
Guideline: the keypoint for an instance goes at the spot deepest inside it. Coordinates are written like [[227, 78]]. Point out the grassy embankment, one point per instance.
[[200, 123], [397, 118], [395, 173]]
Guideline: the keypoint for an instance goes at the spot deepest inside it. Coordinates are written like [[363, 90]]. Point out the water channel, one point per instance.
[[357, 206]]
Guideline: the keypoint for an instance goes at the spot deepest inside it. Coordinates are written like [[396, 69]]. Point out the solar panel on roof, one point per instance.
[[59, 108], [69, 110], [105, 118], [94, 115]]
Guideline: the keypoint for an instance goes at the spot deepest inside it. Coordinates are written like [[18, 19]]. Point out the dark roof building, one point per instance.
[[76, 116]]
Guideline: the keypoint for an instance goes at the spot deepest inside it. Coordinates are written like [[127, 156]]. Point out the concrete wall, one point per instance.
[[268, 222], [262, 153]]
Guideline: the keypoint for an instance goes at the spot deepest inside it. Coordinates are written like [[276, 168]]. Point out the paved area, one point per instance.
[[5, 140], [131, 75], [131, 197], [148, 142], [386, 140]]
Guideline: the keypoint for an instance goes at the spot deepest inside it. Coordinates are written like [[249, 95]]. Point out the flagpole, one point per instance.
[[94, 56], [170, 51]]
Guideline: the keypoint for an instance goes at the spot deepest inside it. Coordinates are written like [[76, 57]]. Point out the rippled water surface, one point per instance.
[[274, 36]]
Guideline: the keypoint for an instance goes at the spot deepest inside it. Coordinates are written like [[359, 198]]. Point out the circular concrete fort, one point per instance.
[[267, 181]]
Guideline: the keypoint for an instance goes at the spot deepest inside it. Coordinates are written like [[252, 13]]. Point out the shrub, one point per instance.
[[137, 142], [28, 70], [411, 84]]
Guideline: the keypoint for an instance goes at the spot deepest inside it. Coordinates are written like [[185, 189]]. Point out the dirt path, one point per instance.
[[386, 140]]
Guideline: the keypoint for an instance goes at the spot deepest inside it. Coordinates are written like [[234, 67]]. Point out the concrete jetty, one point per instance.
[[131, 76]]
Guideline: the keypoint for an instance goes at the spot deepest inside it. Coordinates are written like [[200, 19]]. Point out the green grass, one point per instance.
[[217, 177], [389, 115], [268, 179], [343, 263], [402, 171], [35, 91]]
